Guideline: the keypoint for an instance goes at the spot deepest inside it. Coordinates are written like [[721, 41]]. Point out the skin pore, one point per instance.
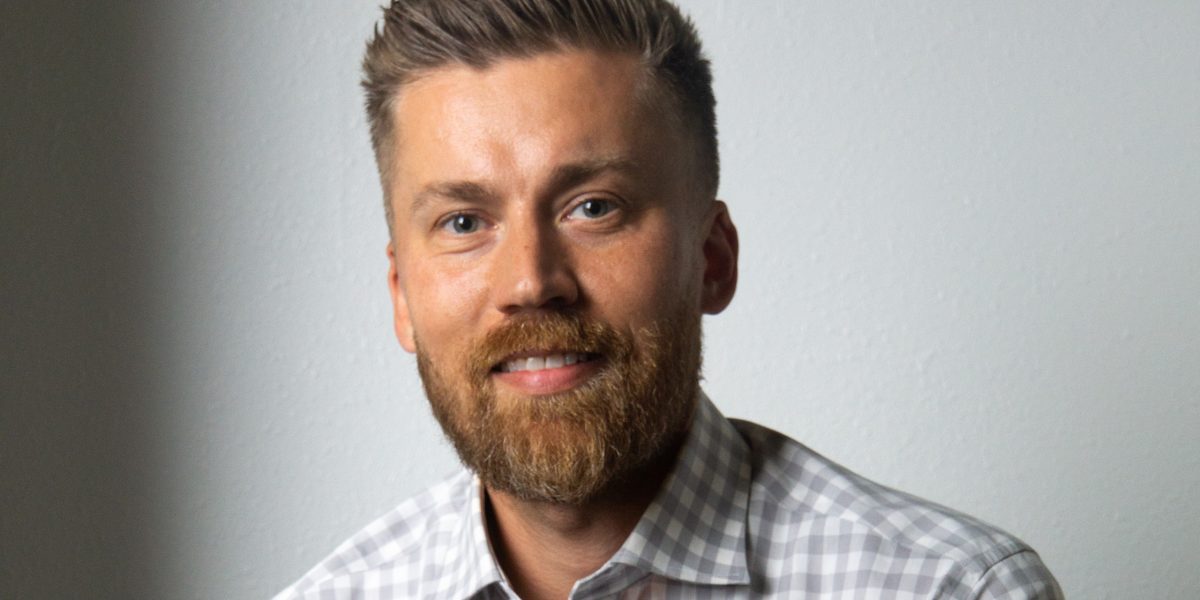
[[533, 187]]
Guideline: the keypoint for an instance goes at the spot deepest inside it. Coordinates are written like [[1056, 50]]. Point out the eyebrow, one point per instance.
[[466, 191], [572, 174], [563, 178]]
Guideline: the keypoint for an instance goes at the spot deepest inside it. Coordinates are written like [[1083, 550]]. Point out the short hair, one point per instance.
[[417, 36]]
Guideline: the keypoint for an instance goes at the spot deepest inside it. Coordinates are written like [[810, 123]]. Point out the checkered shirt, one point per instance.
[[746, 513]]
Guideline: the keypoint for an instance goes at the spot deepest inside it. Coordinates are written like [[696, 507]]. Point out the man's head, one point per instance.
[[554, 243]]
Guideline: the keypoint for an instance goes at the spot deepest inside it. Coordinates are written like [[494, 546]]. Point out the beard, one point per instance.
[[573, 446]]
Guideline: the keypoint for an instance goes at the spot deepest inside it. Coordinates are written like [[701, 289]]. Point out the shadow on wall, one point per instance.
[[76, 387]]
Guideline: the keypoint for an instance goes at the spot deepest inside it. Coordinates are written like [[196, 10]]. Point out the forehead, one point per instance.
[[547, 78], [519, 117]]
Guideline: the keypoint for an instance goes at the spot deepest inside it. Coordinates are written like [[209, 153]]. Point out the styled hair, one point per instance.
[[417, 36]]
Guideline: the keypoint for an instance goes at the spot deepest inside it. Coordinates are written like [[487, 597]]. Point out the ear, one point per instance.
[[720, 260], [400, 317]]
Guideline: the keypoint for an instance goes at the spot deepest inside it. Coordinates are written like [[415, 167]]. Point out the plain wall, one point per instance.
[[970, 269]]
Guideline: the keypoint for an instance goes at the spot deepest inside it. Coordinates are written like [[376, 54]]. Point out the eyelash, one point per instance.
[[447, 223], [609, 204]]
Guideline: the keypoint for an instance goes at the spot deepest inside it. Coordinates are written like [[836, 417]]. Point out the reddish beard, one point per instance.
[[573, 446]]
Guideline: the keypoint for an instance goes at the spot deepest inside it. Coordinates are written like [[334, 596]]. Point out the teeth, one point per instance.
[[537, 363]]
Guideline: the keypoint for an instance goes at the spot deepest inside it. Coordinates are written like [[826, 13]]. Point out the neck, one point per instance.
[[544, 547]]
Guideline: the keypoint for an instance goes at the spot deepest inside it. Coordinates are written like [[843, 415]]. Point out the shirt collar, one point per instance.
[[477, 568], [694, 530]]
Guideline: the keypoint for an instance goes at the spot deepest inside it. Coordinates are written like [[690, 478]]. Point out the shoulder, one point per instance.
[[397, 548], [805, 507]]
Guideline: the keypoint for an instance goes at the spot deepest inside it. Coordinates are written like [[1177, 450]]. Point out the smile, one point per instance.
[[539, 362]]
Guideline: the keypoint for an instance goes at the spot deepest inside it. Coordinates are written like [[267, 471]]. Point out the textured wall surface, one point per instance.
[[970, 269]]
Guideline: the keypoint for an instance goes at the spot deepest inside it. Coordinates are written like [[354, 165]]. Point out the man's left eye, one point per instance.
[[592, 209]]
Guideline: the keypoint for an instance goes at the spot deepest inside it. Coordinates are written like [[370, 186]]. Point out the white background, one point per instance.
[[970, 269]]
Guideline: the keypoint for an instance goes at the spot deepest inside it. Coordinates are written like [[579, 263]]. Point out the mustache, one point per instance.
[[546, 332]]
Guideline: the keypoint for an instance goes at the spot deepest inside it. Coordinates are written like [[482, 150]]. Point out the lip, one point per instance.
[[546, 381], [569, 356]]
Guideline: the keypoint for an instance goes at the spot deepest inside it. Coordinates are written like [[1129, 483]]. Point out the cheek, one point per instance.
[[444, 302], [639, 280]]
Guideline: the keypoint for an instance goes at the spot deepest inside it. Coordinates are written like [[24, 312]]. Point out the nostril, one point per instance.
[[547, 290]]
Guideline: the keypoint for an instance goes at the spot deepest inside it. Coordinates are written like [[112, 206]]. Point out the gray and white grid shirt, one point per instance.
[[747, 513]]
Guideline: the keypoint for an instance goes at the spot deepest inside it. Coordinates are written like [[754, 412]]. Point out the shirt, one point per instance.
[[745, 513]]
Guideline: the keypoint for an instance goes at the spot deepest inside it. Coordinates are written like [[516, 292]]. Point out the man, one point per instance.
[[550, 170]]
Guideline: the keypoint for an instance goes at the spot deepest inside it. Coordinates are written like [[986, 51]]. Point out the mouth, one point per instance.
[[540, 373], [541, 361]]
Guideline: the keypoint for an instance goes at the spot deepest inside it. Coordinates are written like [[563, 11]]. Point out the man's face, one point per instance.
[[552, 253]]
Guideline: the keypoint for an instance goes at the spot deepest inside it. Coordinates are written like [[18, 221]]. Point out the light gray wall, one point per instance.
[[970, 269]]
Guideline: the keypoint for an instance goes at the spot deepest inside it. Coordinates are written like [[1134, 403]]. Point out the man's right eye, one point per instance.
[[462, 224]]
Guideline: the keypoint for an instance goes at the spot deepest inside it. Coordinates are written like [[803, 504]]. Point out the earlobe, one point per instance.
[[400, 317], [720, 260]]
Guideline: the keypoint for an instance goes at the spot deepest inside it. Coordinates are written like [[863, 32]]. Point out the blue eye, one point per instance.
[[462, 223], [592, 209]]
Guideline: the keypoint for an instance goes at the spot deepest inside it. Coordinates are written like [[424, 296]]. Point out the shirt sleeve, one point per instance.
[[1020, 576]]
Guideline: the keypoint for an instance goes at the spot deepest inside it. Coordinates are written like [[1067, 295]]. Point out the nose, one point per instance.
[[533, 270]]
